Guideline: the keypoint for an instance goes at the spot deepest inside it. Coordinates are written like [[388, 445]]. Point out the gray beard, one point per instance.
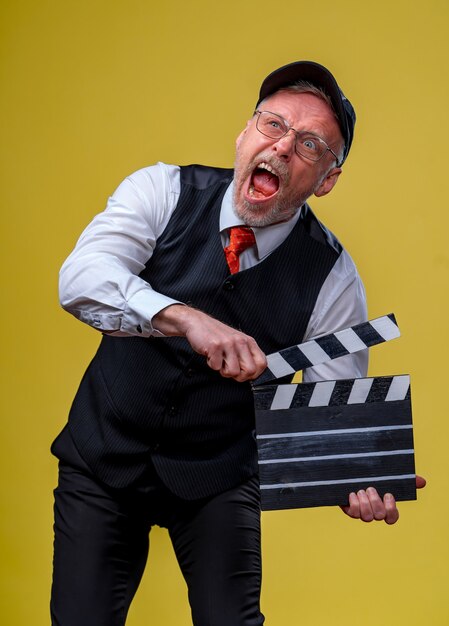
[[279, 212], [284, 206]]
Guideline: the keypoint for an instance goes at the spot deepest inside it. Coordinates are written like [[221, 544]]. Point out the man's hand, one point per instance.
[[228, 351], [368, 505]]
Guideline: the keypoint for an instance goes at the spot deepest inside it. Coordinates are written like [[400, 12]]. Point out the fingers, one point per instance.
[[375, 507], [242, 358], [391, 511], [227, 350], [368, 506], [420, 482], [353, 510]]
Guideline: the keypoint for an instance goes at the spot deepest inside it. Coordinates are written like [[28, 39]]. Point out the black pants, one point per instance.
[[102, 540]]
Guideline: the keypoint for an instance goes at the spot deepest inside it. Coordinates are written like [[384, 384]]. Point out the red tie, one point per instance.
[[241, 238]]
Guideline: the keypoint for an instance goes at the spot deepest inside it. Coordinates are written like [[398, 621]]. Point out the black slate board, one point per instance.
[[317, 442]]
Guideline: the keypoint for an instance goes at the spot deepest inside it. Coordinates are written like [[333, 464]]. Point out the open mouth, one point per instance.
[[264, 183]]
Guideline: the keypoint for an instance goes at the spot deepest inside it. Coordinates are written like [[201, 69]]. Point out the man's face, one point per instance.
[[271, 181]]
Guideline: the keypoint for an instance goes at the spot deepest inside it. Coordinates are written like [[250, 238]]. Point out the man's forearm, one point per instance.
[[227, 350]]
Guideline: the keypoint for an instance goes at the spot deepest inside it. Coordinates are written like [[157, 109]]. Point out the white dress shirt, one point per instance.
[[99, 282]]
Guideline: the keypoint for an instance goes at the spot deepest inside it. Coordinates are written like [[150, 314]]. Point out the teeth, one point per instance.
[[251, 190], [265, 166]]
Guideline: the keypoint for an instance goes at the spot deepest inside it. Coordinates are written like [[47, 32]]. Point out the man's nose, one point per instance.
[[285, 146]]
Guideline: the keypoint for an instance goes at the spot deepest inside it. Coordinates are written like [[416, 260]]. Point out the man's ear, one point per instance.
[[242, 134], [328, 183]]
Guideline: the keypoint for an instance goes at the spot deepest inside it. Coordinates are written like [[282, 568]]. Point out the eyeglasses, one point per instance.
[[307, 144]]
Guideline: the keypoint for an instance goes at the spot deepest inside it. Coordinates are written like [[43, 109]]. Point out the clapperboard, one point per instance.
[[317, 442]]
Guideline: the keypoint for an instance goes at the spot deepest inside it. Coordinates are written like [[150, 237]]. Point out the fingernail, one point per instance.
[[361, 492], [388, 496], [371, 490]]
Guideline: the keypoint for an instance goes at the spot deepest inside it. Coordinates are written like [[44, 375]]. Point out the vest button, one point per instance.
[[154, 447], [172, 411], [189, 372], [228, 285]]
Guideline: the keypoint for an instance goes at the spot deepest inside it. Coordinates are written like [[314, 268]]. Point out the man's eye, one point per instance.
[[272, 125], [309, 144], [272, 122]]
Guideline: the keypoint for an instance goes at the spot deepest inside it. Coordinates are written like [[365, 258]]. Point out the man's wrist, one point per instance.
[[173, 320]]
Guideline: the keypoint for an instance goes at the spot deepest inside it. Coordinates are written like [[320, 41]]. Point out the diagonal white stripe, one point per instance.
[[317, 483], [360, 390], [338, 431], [314, 352], [350, 340], [386, 328], [283, 397], [322, 393], [398, 388], [278, 365]]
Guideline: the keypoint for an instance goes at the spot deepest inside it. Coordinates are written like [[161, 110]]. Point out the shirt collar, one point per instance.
[[268, 238]]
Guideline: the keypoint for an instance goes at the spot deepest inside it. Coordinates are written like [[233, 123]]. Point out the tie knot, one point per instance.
[[240, 238]]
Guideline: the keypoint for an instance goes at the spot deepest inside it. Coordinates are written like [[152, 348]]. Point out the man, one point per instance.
[[161, 429]]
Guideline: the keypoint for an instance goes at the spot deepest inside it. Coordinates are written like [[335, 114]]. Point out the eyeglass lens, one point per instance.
[[307, 144]]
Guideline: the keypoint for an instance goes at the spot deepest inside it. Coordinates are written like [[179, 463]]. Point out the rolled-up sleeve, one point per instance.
[[99, 282]]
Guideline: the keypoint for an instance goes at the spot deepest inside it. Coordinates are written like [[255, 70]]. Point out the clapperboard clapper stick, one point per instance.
[[317, 442]]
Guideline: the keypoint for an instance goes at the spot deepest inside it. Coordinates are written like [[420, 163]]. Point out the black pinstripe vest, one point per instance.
[[155, 398]]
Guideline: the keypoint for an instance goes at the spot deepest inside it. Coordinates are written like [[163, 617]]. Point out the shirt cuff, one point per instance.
[[140, 310]]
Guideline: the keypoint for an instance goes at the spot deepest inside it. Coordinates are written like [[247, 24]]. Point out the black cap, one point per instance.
[[319, 76]]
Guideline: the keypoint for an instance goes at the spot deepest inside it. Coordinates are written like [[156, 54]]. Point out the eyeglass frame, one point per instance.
[[297, 133]]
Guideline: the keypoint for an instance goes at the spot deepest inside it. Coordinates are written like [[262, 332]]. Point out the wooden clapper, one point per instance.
[[317, 442]]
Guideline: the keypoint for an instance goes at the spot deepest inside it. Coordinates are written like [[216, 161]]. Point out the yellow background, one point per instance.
[[92, 90]]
